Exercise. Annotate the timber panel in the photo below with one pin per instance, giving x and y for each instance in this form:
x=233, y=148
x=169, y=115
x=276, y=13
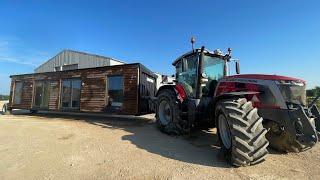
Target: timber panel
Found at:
x=93, y=90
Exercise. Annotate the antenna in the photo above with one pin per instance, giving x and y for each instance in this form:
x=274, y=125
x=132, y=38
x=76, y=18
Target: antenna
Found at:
x=193, y=40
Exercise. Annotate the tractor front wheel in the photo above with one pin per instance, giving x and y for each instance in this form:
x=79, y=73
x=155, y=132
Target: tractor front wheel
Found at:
x=241, y=133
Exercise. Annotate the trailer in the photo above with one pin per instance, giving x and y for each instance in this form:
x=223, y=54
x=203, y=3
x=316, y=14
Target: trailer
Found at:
x=119, y=89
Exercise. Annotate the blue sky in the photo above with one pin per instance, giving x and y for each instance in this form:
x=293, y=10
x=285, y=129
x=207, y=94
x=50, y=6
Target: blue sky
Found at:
x=272, y=37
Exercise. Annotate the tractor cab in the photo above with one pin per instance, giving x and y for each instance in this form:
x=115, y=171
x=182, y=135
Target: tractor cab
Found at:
x=199, y=70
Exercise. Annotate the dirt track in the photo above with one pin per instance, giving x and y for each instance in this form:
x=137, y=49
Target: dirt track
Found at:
x=48, y=146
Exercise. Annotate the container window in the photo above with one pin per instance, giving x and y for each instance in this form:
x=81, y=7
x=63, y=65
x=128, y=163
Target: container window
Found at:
x=42, y=93
x=17, y=93
x=71, y=90
x=115, y=90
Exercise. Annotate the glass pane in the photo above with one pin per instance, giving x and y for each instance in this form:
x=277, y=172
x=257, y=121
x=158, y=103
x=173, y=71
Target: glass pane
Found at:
x=66, y=94
x=38, y=94
x=76, y=90
x=188, y=78
x=17, y=93
x=178, y=69
x=115, y=90
x=213, y=67
x=71, y=90
x=46, y=94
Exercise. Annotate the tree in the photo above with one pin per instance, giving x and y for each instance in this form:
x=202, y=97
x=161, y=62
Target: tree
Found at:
x=311, y=93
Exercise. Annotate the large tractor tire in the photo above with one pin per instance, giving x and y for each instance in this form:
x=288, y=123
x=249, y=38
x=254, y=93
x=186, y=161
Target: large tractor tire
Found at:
x=281, y=140
x=241, y=133
x=168, y=116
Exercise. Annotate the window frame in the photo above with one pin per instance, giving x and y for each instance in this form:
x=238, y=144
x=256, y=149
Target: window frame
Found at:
x=14, y=93
x=107, y=88
x=71, y=94
x=43, y=82
x=184, y=68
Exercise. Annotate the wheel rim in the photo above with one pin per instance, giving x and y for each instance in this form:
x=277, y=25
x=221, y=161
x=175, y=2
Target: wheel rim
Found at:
x=224, y=131
x=164, y=112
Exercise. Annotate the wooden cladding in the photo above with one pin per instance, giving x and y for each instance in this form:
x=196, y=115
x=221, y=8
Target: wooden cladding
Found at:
x=93, y=93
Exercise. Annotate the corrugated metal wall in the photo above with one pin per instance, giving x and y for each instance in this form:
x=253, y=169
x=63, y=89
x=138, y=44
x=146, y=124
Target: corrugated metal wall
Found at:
x=83, y=60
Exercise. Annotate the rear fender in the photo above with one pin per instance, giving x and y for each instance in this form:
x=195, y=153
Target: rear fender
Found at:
x=153, y=102
x=241, y=94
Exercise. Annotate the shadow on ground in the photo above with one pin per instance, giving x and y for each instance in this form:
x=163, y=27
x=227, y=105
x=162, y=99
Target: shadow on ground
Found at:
x=201, y=147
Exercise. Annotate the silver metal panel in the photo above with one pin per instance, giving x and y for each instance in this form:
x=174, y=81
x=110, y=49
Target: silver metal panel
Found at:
x=84, y=60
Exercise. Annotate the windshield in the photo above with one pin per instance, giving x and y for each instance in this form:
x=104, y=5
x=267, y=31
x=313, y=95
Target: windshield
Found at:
x=213, y=68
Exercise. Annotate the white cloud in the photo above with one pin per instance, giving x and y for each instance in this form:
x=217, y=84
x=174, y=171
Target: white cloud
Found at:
x=17, y=61
x=14, y=50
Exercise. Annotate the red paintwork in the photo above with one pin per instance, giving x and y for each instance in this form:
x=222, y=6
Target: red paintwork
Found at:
x=181, y=92
x=266, y=77
x=227, y=87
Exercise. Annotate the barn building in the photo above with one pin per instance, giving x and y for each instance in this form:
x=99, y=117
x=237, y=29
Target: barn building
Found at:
x=70, y=60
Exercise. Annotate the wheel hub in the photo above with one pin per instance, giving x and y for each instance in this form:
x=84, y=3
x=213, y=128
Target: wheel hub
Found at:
x=164, y=112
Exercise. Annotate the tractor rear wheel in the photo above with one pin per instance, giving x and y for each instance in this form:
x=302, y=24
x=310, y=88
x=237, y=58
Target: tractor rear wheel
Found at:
x=168, y=114
x=241, y=133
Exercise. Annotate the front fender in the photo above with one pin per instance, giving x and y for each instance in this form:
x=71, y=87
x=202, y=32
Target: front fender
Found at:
x=235, y=94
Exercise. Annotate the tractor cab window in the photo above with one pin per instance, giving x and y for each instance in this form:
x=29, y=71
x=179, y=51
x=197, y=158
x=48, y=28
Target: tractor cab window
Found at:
x=188, y=74
x=178, y=68
x=213, y=68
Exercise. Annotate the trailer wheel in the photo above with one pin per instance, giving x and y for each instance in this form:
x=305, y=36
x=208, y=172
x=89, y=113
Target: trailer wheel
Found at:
x=168, y=114
x=5, y=109
x=281, y=140
x=240, y=132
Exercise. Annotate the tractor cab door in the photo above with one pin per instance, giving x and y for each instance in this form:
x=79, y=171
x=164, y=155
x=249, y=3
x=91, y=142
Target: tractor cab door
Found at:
x=186, y=73
x=213, y=69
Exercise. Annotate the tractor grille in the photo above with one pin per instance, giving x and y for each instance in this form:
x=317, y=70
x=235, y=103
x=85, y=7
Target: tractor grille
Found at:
x=294, y=93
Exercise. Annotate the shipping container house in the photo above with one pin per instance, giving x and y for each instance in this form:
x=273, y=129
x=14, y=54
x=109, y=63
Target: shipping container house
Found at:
x=119, y=89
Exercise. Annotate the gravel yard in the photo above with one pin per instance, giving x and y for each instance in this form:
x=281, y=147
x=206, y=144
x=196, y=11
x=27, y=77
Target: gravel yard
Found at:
x=61, y=146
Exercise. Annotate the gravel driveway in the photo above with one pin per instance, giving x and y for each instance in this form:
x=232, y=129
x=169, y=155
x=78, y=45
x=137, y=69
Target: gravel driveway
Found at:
x=60, y=146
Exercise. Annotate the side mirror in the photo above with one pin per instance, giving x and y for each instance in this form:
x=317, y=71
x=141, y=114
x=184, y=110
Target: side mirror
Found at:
x=237, y=67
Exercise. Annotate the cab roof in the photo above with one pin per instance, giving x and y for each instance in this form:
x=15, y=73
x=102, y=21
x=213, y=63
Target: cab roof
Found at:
x=198, y=50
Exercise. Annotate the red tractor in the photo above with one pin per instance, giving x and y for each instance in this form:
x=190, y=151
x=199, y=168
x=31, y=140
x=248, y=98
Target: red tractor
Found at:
x=250, y=111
